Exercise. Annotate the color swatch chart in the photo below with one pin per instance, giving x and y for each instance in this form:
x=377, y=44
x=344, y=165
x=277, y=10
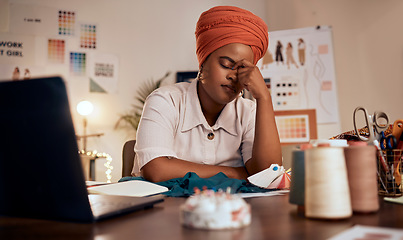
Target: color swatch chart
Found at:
x=78, y=63
x=103, y=70
x=286, y=93
x=293, y=128
x=56, y=50
x=67, y=20
x=88, y=36
x=268, y=83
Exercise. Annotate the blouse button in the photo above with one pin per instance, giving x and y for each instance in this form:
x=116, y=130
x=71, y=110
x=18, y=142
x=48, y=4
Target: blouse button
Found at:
x=210, y=136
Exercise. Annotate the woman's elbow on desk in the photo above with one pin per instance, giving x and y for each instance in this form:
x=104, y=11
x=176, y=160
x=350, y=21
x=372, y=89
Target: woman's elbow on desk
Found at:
x=154, y=171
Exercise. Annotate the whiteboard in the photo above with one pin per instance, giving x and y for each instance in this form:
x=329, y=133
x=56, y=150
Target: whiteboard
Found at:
x=302, y=76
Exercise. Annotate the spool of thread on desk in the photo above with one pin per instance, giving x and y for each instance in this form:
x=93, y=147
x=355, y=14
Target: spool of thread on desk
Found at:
x=327, y=194
x=361, y=165
x=297, y=186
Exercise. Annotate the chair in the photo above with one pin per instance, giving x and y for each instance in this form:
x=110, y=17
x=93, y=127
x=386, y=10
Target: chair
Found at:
x=128, y=158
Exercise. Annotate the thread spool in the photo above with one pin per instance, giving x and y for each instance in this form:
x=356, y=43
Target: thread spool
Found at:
x=327, y=194
x=331, y=142
x=361, y=165
x=297, y=186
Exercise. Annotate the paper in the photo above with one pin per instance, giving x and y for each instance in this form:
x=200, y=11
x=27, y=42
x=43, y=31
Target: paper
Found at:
x=17, y=49
x=394, y=199
x=103, y=73
x=95, y=183
x=293, y=128
x=366, y=232
x=134, y=188
x=281, y=182
x=266, y=194
x=264, y=178
x=33, y=19
x=299, y=64
x=274, y=177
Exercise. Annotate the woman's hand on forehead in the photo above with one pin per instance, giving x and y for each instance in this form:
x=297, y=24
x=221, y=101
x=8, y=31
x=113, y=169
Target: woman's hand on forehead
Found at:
x=251, y=79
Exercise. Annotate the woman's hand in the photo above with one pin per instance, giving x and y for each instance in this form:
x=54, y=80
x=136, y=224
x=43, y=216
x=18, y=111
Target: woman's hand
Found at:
x=266, y=146
x=251, y=79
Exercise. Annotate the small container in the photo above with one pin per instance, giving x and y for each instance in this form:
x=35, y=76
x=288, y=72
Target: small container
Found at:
x=390, y=178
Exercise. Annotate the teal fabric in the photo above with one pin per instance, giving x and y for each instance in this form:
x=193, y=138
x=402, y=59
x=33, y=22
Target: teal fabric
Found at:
x=183, y=187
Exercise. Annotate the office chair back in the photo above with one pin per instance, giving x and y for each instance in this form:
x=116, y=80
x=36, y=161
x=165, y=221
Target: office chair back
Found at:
x=128, y=158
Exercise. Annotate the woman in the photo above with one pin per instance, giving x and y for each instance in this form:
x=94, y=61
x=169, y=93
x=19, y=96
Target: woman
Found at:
x=206, y=126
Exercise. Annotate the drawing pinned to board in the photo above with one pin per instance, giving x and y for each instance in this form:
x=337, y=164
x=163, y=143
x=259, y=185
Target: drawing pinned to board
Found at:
x=301, y=51
x=290, y=56
x=66, y=21
x=78, y=64
x=56, y=50
x=88, y=36
x=308, y=59
x=279, y=53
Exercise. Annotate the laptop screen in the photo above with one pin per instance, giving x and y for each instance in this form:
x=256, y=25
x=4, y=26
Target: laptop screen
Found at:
x=40, y=170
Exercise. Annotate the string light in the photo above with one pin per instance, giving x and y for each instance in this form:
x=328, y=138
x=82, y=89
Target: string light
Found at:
x=95, y=154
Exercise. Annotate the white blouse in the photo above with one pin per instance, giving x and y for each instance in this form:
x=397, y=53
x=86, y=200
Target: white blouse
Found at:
x=173, y=125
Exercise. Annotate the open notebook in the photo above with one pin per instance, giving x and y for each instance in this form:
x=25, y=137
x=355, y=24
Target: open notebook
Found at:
x=41, y=174
x=134, y=188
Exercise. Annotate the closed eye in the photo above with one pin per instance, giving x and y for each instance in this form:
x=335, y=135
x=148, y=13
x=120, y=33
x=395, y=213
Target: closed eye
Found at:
x=226, y=62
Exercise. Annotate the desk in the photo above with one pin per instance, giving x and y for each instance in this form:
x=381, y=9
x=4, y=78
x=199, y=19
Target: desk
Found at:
x=272, y=217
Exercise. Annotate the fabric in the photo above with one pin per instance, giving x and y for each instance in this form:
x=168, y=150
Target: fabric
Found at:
x=173, y=125
x=223, y=25
x=184, y=187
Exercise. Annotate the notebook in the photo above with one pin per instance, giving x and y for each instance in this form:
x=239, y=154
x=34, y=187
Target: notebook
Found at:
x=135, y=188
x=41, y=174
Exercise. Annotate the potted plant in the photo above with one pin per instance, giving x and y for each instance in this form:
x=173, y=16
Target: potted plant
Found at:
x=132, y=117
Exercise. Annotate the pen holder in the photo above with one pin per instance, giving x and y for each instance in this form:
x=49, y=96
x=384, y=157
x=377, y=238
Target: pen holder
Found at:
x=390, y=173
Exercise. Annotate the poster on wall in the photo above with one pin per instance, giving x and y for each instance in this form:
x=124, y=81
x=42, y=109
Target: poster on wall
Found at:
x=33, y=20
x=78, y=64
x=56, y=51
x=299, y=65
x=88, y=36
x=103, y=72
x=66, y=22
x=17, y=49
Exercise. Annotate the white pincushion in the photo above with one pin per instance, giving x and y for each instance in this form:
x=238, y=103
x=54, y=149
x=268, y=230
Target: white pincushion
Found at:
x=215, y=210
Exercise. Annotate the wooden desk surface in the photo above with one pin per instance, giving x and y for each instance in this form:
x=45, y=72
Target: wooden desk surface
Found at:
x=272, y=217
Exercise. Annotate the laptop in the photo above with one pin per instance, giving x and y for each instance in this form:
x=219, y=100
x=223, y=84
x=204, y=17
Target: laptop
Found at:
x=41, y=174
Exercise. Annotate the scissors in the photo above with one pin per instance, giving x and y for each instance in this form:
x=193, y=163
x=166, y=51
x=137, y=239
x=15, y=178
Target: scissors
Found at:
x=374, y=123
x=375, y=127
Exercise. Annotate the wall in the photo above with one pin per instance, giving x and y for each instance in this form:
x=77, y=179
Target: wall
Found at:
x=150, y=37
x=368, y=50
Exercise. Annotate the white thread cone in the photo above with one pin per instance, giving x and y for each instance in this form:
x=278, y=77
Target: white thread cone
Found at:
x=327, y=193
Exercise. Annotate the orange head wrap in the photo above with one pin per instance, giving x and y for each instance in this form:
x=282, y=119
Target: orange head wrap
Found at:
x=223, y=25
